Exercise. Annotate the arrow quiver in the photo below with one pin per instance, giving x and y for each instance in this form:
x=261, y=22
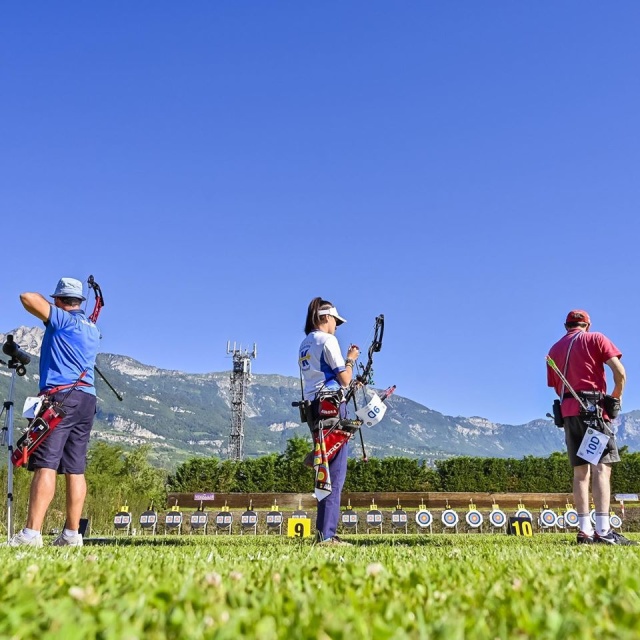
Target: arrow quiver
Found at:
x=48, y=418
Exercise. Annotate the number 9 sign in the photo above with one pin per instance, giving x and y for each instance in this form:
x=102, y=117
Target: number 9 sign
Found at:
x=298, y=527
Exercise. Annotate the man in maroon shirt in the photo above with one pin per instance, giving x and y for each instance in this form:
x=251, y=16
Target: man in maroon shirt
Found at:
x=581, y=355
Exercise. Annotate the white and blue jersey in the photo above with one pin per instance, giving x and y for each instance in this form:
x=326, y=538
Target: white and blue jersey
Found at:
x=69, y=346
x=320, y=362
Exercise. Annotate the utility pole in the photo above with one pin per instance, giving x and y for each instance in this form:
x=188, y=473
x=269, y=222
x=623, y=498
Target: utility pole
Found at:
x=240, y=379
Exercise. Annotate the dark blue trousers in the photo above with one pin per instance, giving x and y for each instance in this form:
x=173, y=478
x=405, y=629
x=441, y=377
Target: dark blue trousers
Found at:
x=329, y=508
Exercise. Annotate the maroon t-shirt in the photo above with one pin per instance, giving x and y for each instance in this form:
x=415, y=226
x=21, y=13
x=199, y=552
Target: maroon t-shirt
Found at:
x=585, y=372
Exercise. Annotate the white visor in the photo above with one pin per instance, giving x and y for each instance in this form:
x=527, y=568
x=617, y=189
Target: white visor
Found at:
x=332, y=312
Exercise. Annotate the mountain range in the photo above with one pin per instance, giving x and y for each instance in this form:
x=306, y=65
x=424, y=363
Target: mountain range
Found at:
x=189, y=414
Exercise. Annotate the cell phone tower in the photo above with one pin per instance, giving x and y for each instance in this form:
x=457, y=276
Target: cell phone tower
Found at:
x=240, y=379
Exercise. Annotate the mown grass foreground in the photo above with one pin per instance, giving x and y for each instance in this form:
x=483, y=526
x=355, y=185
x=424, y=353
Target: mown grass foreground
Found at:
x=439, y=586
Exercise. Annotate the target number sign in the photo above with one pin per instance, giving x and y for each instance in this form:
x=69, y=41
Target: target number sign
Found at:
x=298, y=527
x=520, y=526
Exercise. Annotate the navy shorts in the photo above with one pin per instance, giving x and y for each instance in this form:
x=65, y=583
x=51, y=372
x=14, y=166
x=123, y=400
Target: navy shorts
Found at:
x=65, y=449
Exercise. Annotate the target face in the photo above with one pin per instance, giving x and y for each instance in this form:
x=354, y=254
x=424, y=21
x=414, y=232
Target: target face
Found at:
x=274, y=519
x=198, y=520
x=399, y=518
x=424, y=518
x=173, y=520
x=374, y=517
x=560, y=522
x=148, y=519
x=449, y=518
x=249, y=519
x=299, y=514
x=497, y=518
x=571, y=518
x=349, y=518
x=524, y=513
x=122, y=520
x=548, y=518
x=224, y=520
x=616, y=521
x=474, y=519
x=592, y=516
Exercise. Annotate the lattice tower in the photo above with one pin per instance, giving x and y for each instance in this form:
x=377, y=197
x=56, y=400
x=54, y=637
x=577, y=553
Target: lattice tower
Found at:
x=240, y=379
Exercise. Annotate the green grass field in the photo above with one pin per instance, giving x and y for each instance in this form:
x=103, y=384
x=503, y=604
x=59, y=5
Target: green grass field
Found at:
x=402, y=586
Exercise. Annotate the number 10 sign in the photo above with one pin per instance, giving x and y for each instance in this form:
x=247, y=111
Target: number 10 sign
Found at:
x=520, y=526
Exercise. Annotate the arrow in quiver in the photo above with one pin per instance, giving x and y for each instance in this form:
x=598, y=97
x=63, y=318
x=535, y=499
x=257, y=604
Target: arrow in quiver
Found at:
x=321, y=465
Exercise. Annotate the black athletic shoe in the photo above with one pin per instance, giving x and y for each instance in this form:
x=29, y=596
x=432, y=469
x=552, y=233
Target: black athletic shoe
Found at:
x=584, y=538
x=614, y=538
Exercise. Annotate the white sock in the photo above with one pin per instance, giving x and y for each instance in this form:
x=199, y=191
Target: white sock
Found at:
x=584, y=522
x=69, y=533
x=30, y=534
x=603, y=524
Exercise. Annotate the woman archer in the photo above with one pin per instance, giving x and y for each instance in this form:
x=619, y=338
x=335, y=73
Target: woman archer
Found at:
x=325, y=375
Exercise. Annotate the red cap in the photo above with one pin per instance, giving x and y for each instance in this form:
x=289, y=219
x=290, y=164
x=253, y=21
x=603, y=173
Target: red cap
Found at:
x=577, y=315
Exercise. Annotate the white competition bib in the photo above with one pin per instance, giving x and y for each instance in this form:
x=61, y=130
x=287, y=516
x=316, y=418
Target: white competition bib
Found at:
x=31, y=407
x=592, y=446
x=373, y=412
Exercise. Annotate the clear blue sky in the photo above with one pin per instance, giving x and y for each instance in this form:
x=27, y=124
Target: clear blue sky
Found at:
x=468, y=169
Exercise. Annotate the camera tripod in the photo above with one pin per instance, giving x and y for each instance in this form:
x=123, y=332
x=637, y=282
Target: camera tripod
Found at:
x=17, y=369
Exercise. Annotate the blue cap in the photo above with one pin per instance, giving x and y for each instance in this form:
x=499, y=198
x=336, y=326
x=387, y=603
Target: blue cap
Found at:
x=68, y=288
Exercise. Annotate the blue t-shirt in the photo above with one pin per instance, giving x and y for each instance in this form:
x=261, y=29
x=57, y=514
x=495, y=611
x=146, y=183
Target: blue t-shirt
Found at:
x=69, y=346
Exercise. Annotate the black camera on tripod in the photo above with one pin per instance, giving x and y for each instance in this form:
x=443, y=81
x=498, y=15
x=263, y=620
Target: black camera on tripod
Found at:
x=19, y=359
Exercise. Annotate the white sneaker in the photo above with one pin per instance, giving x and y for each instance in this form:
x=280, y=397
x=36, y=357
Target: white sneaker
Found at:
x=68, y=541
x=20, y=540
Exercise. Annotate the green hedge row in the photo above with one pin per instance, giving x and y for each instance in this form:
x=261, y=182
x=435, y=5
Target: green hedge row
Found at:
x=286, y=473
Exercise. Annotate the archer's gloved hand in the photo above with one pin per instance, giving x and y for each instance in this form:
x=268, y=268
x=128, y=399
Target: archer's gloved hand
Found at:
x=612, y=406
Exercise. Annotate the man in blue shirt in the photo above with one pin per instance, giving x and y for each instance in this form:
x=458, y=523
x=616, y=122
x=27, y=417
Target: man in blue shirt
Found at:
x=69, y=349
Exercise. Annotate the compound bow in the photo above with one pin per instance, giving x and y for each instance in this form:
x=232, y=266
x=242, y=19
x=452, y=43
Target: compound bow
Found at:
x=99, y=299
x=365, y=377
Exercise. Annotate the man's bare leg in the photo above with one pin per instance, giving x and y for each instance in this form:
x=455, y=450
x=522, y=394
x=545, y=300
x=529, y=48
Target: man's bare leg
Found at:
x=602, y=487
x=43, y=488
x=581, y=488
x=76, y=494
